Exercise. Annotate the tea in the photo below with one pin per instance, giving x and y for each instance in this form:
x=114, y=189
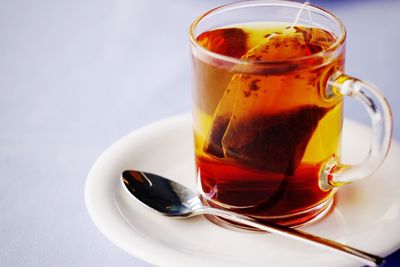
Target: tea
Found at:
x=261, y=135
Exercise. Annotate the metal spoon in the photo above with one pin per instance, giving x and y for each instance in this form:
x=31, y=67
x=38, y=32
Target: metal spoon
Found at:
x=172, y=199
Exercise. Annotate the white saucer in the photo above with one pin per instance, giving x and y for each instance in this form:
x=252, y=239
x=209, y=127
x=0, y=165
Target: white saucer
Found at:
x=366, y=215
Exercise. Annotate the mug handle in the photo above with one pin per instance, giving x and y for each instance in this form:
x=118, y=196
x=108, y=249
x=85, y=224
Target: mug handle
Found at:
x=334, y=173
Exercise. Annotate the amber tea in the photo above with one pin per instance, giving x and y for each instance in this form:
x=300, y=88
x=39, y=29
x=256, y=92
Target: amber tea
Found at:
x=261, y=135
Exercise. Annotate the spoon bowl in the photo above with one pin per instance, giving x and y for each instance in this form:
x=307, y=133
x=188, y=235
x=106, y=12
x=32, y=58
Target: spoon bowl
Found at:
x=164, y=196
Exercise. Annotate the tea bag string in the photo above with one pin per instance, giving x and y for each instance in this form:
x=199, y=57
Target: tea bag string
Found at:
x=296, y=20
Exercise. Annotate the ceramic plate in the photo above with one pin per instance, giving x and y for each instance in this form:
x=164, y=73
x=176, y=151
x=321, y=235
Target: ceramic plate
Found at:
x=366, y=213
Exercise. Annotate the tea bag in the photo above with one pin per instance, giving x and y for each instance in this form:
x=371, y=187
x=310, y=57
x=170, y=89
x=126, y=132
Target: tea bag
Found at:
x=255, y=124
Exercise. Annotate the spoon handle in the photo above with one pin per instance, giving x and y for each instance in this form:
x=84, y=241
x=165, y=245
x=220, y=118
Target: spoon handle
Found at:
x=361, y=256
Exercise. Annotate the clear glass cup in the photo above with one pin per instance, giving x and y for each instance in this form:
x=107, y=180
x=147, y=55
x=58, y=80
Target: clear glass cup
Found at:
x=267, y=115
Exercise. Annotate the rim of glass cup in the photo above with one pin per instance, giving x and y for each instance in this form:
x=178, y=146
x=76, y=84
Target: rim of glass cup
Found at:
x=335, y=47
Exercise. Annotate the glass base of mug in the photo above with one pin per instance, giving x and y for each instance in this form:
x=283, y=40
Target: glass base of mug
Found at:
x=294, y=220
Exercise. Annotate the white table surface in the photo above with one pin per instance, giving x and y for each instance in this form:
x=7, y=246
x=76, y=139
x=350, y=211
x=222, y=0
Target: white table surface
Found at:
x=77, y=75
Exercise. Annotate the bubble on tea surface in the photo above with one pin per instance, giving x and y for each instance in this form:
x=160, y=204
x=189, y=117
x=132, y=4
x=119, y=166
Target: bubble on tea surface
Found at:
x=248, y=125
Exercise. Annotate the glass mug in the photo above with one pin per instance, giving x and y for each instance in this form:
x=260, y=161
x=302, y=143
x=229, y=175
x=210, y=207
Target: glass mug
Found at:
x=268, y=96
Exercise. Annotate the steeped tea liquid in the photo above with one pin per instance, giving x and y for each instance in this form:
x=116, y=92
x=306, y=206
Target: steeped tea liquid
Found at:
x=262, y=135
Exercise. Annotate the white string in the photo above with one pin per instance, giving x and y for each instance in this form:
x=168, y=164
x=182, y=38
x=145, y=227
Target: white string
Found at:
x=309, y=16
x=298, y=15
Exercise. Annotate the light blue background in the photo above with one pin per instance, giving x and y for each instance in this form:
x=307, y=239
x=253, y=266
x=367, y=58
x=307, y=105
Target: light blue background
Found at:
x=77, y=75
